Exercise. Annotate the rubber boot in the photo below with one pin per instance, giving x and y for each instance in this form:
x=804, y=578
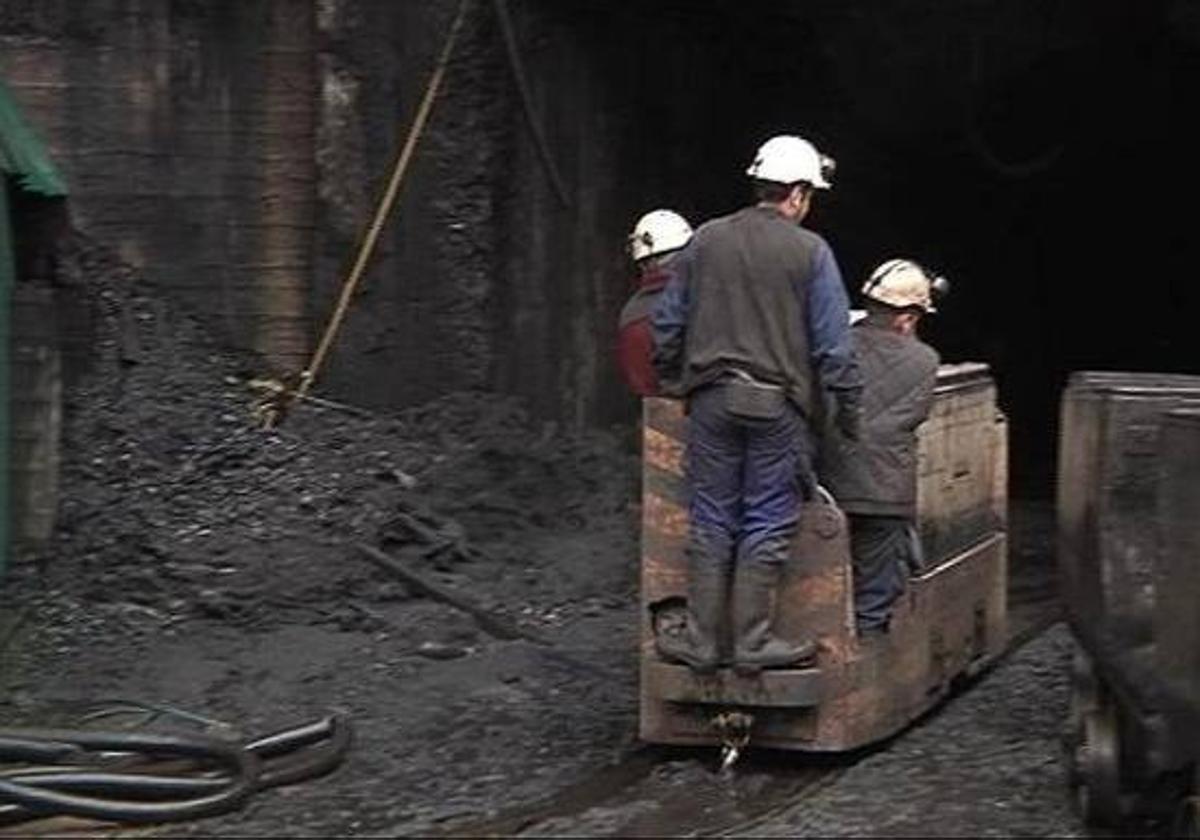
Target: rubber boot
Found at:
x=708, y=596
x=755, y=647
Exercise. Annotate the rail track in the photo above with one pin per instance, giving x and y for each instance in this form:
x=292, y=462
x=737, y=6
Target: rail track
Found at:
x=655, y=791
x=640, y=795
x=636, y=797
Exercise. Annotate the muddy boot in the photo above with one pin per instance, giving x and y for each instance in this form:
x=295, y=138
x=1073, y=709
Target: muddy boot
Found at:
x=755, y=647
x=696, y=646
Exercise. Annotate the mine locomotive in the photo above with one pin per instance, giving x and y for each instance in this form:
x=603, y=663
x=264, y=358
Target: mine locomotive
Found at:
x=950, y=622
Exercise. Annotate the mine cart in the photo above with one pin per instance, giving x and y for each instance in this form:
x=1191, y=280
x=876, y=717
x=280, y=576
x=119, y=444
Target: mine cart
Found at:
x=1128, y=465
x=950, y=621
x=1176, y=612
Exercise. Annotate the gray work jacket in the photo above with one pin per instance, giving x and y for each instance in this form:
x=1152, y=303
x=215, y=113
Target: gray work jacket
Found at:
x=877, y=475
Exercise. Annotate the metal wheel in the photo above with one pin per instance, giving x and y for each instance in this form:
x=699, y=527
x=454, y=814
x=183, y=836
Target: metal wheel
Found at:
x=1098, y=760
x=1085, y=687
x=1186, y=820
x=1186, y=823
x=1085, y=698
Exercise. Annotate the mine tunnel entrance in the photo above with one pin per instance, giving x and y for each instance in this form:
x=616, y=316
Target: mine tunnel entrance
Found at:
x=1025, y=150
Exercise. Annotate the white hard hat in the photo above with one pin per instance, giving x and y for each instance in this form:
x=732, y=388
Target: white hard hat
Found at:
x=788, y=159
x=902, y=283
x=658, y=232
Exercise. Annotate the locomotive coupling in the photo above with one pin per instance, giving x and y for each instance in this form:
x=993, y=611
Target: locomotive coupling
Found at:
x=733, y=728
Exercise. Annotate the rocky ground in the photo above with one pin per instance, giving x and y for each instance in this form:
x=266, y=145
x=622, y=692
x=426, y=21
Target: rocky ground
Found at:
x=989, y=765
x=207, y=563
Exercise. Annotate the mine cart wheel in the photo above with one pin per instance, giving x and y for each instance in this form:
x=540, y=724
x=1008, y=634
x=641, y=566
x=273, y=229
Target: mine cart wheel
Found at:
x=1186, y=822
x=1187, y=818
x=1085, y=698
x=1099, y=766
x=1085, y=686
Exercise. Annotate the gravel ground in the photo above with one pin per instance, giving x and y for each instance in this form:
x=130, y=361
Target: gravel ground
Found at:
x=990, y=764
x=987, y=763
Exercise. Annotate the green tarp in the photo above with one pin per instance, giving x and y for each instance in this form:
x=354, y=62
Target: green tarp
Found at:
x=23, y=158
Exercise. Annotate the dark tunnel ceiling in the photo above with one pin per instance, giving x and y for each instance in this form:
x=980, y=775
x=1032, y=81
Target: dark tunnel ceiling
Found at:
x=1029, y=149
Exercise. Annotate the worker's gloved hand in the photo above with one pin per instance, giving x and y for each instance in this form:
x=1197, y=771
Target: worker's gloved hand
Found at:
x=671, y=388
x=848, y=419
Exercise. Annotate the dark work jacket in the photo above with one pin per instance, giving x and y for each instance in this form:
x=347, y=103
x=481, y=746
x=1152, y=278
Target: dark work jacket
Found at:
x=635, y=341
x=877, y=475
x=756, y=292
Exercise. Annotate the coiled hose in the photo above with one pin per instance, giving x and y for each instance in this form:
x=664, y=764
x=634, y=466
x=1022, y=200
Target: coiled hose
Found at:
x=74, y=778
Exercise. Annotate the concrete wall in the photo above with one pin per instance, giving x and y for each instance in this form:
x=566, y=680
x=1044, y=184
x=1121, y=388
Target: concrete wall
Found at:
x=186, y=132
x=420, y=323
x=487, y=279
x=235, y=150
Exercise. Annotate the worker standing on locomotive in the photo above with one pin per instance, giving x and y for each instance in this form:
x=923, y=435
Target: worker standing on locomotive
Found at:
x=656, y=238
x=754, y=323
x=874, y=477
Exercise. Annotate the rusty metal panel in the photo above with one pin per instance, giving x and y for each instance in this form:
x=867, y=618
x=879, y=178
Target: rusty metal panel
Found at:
x=958, y=464
x=782, y=688
x=951, y=620
x=664, y=516
x=816, y=591
x=1106, y=496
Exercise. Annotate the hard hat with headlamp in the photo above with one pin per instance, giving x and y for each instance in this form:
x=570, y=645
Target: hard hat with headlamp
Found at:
x=788, y=159
x=905, y=283
x=658, y=232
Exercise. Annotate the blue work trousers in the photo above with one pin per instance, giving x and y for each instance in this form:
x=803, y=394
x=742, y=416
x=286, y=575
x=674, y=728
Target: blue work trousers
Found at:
x=744, y=478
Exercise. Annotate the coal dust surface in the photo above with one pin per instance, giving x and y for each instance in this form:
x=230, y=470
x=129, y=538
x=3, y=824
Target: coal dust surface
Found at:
x=206, y=563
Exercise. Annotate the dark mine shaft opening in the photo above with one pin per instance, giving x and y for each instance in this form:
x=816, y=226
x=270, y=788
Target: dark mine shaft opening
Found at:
x=1025, y=150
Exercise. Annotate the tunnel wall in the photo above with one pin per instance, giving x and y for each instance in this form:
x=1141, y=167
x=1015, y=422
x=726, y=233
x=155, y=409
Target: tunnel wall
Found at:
x=235, y=151
x=491, y=276
x=185, y=131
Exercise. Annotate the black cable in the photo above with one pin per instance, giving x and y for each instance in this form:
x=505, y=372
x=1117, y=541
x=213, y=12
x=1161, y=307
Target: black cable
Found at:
x=15, y=747
x=311, y=763
x=137, y=785
x=243, y=766
x=300, y=736
x=263, y=763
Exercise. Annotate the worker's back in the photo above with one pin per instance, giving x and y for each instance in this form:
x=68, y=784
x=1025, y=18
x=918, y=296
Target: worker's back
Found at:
x=750, y=273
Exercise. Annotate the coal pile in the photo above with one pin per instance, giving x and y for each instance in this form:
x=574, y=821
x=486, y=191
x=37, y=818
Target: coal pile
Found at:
x=168, y=481
x=205, y=561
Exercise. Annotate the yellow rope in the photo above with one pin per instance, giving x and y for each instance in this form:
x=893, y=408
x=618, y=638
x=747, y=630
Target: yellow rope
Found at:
x=381, y=213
